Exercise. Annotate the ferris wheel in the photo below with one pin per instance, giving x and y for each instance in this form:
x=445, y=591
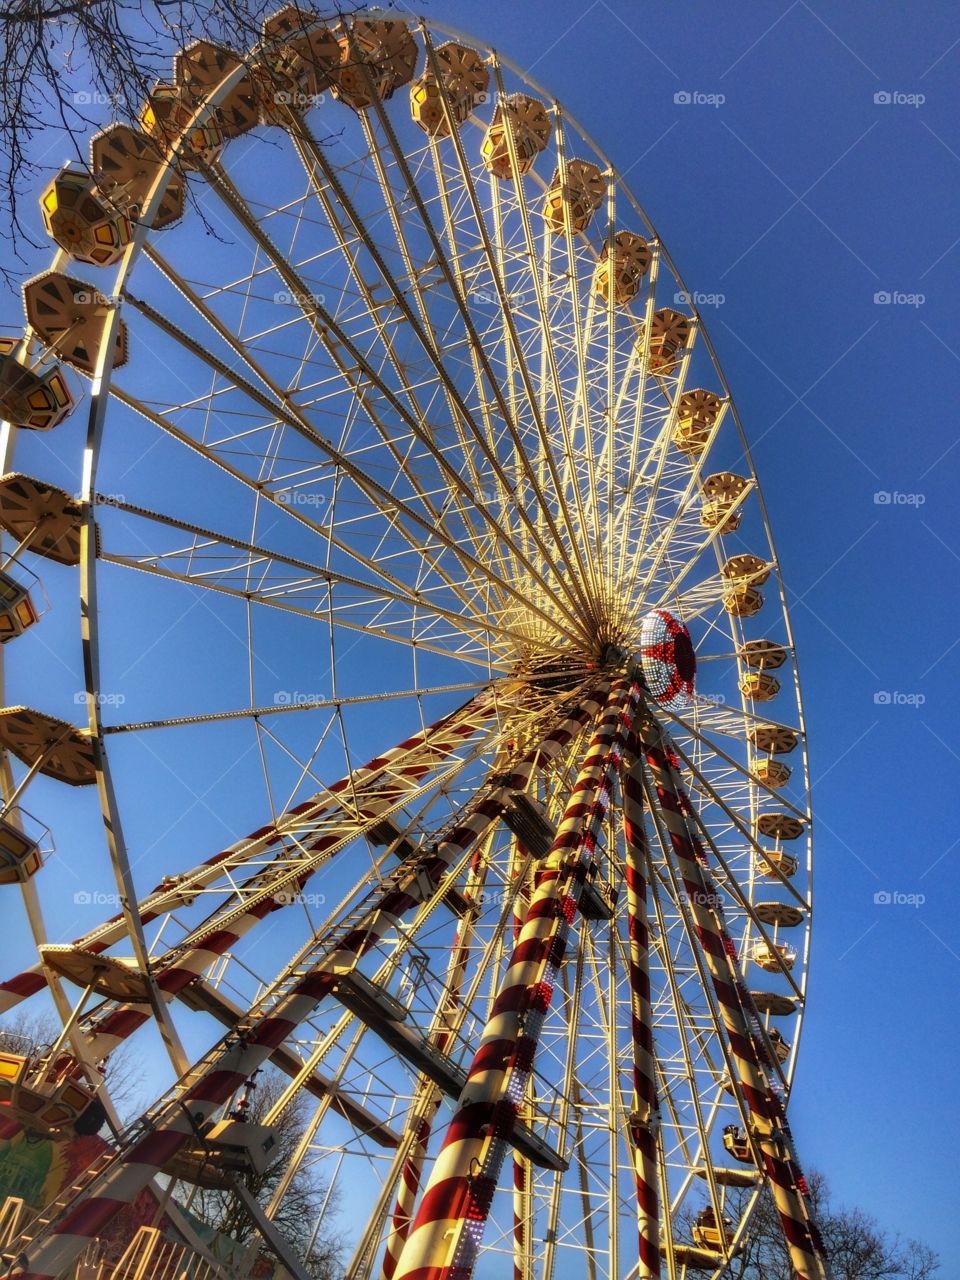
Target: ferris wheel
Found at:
x=365, y=425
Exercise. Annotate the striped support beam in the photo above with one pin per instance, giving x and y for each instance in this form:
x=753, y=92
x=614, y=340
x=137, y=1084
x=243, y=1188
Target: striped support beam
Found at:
x=448, y=1227
x=413, y=758
x=522, y=1217
x=799, y=1230
x=224, y=1069
x=114, y=1022
x=426, y=1113
x=270, y=890
x=428, y=1105
x=429, y=1097
x=409, y=1186
x=433, y=867
x=522, y=1165
x=645, y=1120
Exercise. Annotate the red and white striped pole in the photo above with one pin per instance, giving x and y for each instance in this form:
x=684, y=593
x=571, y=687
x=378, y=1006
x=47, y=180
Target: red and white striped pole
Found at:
x=235, y=1059
x=448, y=1227
x=768, y=1121
x=522, y=1165
x=645, y=1118
x=424, y=1117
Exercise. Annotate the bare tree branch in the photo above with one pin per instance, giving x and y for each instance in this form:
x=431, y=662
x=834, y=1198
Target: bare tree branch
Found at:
x=67, y=67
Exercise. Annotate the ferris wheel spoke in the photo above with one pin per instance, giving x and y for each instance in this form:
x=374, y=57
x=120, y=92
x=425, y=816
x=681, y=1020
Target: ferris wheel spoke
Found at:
x=637, y=377
x=324, y=322
x=616, y=385
x=288, y=412
x=688, y=727
x=263, y=555
x=714, y=717
x=378, y=569
x=658, y=453
x=462, y=654
x=703, y=597
x=389, y=505
x=485, y=381
x=696, y=547
x=315, y=161
x=548, y=348
x=310, y=704
x=478, y=355
x=512, y=273
x=648, y=559
x=344, y=600
x=566, y=541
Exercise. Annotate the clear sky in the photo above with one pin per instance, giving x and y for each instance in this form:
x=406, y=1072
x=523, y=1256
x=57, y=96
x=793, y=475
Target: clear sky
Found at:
x=802, y=163
x=799, y=198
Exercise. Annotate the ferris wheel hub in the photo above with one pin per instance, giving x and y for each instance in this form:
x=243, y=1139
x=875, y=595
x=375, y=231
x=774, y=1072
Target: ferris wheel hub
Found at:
x=668, y=660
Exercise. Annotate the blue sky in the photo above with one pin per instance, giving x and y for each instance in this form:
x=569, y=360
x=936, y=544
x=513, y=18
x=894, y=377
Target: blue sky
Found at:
x=798, y=199
x=802, y=163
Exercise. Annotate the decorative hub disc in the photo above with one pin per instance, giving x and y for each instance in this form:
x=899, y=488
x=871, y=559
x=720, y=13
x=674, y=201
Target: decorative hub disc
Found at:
x=667, y=660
